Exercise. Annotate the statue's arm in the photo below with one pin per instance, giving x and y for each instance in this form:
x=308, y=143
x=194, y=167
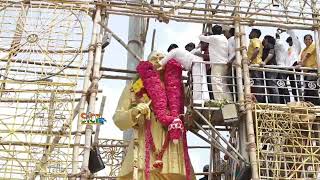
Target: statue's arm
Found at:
x=125, y=116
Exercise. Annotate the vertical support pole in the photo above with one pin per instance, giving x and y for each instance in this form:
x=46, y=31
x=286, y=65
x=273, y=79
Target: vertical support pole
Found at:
x=317, y=43
x=242, y=122
x=249, y=121
x=96, y=135
x=103, y=33
x=217, y=165
x=212, y=157
x=82, y=103
x=315, y=16
x=93, y=93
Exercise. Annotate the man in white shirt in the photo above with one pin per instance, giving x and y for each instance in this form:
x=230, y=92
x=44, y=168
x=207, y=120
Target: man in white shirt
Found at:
x=185, y=58
x=218, y=53
x=231, y=46
x=229, y=34
x=288, y=58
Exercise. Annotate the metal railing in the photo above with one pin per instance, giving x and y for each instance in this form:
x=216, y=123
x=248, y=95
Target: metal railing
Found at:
x=269, y=84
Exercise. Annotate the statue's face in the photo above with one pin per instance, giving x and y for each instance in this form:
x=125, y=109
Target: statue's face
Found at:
x=154, y=58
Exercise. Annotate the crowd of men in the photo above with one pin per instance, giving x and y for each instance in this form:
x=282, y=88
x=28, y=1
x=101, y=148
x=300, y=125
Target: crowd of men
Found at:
x=219, y=49
x=271, y=51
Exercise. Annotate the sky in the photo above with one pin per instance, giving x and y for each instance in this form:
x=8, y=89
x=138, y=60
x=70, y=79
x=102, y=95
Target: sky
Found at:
x=174, y=32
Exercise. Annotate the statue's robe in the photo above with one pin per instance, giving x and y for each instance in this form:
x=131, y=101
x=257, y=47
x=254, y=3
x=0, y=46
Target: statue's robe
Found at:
x=173, y=157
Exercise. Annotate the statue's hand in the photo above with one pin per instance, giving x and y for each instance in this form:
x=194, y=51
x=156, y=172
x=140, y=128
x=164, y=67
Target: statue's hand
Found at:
x=140, y=113
x=141, y=108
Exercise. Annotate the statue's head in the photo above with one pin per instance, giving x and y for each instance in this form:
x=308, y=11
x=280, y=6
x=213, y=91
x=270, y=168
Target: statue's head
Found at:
x=154, y=57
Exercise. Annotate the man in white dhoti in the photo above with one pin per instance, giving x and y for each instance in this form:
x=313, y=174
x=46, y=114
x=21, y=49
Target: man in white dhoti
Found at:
x=218, y=53
x=287, y=58
x=200, y=88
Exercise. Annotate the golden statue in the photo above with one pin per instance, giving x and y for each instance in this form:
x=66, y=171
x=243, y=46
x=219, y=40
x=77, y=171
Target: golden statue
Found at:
x=132, y=112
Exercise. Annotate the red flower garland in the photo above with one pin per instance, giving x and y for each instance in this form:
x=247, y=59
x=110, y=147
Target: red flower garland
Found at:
x=156, y=92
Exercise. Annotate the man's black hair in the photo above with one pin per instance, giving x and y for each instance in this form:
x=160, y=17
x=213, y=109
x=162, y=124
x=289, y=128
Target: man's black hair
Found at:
x=270, y=39
x=216, y=30
x=231, y=31
x=206, y=168
x=191, y=45
x=257, y=32
x=172, y=46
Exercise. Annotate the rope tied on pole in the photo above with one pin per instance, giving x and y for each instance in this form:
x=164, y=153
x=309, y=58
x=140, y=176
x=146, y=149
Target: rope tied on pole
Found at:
x=315, y=27
x=236, y=18
x=162, y=17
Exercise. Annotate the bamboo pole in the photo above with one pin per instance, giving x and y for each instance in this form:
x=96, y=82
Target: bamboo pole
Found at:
x=143, y=9
x=225, y=21
x=317, y=43
x=154, y=8
x=316, y=34
x=242, y=123
x=202, y=7
x=76, y=152
x=78, y=5
x=96, y=136
x=212, y=155
x=104, y=18
x=251, y=146
x=92, y=101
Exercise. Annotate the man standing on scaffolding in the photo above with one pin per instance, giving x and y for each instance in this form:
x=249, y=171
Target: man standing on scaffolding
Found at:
x=288, y=58
x=183, y=56
x=269, y=58
x=218, y=53
x=255, y=57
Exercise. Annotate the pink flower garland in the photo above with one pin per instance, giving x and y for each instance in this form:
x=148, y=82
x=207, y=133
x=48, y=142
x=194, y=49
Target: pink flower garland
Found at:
x=173, y=83
x=156, y=92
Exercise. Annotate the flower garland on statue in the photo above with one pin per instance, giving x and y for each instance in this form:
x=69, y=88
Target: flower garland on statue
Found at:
x=167, y=103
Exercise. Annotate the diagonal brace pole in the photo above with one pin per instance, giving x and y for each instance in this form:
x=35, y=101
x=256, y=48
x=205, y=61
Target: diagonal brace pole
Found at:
x=220, y=135
x=216, y=143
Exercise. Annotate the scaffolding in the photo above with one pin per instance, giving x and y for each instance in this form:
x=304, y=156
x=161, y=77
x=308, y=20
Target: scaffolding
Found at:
x=50, y=75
